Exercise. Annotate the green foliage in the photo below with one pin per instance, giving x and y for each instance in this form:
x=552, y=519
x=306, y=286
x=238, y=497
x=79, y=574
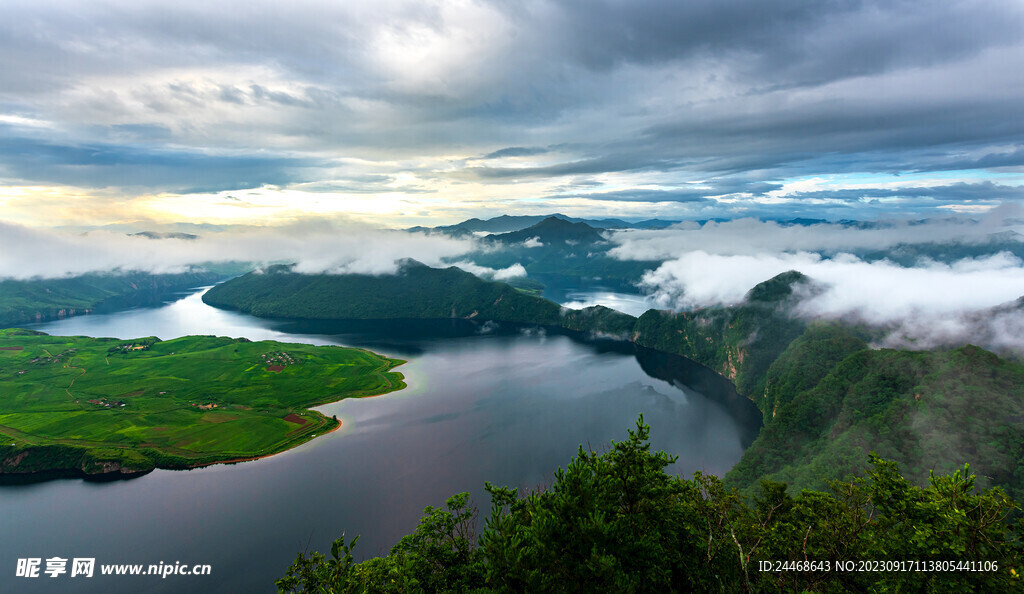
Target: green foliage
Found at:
x=740, y=342
x=25, y=301
x=617, y=522
x=104, y=405
x=929, y=410
x=440, y=556
x=415, y=292
x=806, y=361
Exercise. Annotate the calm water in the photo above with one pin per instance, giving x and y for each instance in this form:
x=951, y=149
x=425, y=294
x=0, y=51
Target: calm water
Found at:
x=577, y=293
x=484, y=403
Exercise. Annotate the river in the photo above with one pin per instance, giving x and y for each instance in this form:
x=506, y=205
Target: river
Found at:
x=487, y=402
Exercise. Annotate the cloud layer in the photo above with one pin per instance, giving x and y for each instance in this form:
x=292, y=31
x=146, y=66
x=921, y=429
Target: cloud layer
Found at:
x=923, y=305
x=608, y=106
x=876, y=292
x=314, y=247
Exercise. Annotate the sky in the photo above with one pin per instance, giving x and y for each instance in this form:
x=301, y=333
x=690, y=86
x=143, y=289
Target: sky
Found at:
x=140, y=115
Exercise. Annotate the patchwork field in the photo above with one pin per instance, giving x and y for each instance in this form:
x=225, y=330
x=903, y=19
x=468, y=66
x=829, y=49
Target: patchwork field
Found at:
x=101, y=405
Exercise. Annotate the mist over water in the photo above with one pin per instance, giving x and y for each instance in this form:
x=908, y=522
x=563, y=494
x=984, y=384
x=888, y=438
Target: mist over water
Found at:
x=503, y=404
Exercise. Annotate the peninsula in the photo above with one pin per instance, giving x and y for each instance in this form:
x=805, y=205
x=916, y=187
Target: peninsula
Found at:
x=79, y=405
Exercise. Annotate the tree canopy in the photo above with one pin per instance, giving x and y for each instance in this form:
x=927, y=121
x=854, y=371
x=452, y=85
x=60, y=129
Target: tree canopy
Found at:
x=618, y=522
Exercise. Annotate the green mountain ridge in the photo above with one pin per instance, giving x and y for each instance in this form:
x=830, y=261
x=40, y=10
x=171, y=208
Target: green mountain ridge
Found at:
x=929, y=410
x=739, y=342
x=37, y=300
x=416, y=291
x=550, y=230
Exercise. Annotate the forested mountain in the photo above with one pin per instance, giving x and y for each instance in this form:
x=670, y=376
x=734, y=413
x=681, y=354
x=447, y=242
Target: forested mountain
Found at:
x=561, y=248
x=829, y=399
x=551, y=230
x=929, y=410
x=740, y=342
x=27, y=301
x=508, y=223
x=416, y=291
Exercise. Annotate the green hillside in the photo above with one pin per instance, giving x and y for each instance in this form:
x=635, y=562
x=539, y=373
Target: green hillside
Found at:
x=740, y=342
x=928, y=410
x=26, y=301
x=101, y=405
x=415, y=292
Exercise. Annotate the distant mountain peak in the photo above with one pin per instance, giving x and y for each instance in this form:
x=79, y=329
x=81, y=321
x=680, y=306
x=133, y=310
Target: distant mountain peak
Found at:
x=778, y=288
x=509, y=223
x=552, y=230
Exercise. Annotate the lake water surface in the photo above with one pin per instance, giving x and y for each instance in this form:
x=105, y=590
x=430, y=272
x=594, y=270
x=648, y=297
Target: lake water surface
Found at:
x=484, y=403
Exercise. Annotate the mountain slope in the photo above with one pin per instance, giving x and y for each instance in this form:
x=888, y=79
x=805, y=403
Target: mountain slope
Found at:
x=551, y=230
x=509, y=223
x=928, y=410
x=415, y=292
x=740, y=342
x=27, y=301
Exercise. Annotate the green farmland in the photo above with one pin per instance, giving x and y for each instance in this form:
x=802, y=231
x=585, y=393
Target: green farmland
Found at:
x=103, y=405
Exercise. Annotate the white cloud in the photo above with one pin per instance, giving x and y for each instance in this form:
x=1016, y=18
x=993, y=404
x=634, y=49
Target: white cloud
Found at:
x=924, y=306
x=533, y=242
x=751, y=237
x=313, y=246
x=879, y=292
x=501, y=274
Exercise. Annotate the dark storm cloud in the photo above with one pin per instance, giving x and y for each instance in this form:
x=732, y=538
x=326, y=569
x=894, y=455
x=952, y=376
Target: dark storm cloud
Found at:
x=603, y=164
x=786, y=41
x=683, y=91
x=987, y=161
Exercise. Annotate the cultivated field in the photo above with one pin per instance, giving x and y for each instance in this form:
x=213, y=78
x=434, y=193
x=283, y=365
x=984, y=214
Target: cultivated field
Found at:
x=99, y=404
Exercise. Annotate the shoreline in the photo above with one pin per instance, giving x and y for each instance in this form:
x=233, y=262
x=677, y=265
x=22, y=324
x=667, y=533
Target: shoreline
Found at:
x=341, y=422
x=260, y=457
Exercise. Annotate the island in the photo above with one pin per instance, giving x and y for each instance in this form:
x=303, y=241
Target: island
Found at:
x=103, y=406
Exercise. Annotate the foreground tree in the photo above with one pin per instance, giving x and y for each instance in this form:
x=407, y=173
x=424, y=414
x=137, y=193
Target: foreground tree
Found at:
x=616, y=521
